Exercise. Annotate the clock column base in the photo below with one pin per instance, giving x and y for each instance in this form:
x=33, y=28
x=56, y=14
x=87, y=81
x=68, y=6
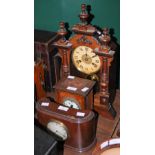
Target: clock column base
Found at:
x=107, y=111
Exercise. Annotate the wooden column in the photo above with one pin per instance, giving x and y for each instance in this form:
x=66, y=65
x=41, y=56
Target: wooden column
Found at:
x=64, y=49
x=106, y=56
x=104, y=82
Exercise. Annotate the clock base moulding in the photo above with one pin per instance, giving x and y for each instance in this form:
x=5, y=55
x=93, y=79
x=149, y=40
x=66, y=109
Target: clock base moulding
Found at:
x=104, y=110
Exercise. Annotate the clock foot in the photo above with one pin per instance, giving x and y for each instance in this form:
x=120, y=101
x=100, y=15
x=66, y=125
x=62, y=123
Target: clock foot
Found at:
x=105, y=110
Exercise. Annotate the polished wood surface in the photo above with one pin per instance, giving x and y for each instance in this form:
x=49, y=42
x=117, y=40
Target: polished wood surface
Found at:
x=105, y=128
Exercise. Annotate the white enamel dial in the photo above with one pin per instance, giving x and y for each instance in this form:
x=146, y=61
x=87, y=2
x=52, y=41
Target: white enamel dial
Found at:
x=85, y=60
x=58, y=128
x=71, y=103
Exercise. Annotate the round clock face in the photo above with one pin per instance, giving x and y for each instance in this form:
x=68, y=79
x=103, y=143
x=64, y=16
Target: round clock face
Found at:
x=72, y=103
x=58, y=128
x=85, y=60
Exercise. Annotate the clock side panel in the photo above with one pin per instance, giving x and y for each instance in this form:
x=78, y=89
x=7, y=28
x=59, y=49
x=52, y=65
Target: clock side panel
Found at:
x=90, y=100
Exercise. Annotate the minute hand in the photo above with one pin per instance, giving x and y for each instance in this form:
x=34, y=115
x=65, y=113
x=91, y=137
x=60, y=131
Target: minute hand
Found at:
x=94, y=56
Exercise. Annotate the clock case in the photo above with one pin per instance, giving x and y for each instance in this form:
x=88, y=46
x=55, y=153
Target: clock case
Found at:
x=85, y=99
x=81, y=130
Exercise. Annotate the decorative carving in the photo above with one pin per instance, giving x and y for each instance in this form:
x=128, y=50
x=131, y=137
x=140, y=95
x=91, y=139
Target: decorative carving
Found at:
x=84, y=40
x=83, y=15
x=105, y=39
x=83, y=27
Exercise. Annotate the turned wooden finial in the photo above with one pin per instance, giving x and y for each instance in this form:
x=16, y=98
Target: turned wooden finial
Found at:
x=105, y=38
x=62, y=31
x=83, y=15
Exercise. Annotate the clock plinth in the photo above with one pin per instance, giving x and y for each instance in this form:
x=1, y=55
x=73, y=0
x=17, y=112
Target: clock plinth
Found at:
x=105, y=110
x=64, y=49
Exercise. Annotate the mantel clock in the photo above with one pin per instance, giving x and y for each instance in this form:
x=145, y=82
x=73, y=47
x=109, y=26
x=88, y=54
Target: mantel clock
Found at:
x=91, y=58
x=76, y=127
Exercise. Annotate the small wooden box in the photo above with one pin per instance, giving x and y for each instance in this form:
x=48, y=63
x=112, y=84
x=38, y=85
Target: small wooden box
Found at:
x=76, y=90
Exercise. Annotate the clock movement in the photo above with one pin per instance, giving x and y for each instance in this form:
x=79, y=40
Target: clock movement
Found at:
x=64, y=122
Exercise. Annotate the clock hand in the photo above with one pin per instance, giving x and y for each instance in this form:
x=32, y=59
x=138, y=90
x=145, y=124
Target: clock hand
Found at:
x=94, y=56
x=86, y=53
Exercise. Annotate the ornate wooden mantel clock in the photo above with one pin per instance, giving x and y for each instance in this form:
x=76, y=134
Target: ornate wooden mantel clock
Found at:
x=90, y=58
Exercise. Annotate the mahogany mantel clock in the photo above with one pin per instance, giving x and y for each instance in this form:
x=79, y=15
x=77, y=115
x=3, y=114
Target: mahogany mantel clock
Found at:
x=91, y=57
x=75, y=92
x=76, y=127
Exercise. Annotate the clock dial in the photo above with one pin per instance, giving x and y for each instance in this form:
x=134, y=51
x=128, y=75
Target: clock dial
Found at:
x=85, y=60
x=71, y=103
x=58, y=128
